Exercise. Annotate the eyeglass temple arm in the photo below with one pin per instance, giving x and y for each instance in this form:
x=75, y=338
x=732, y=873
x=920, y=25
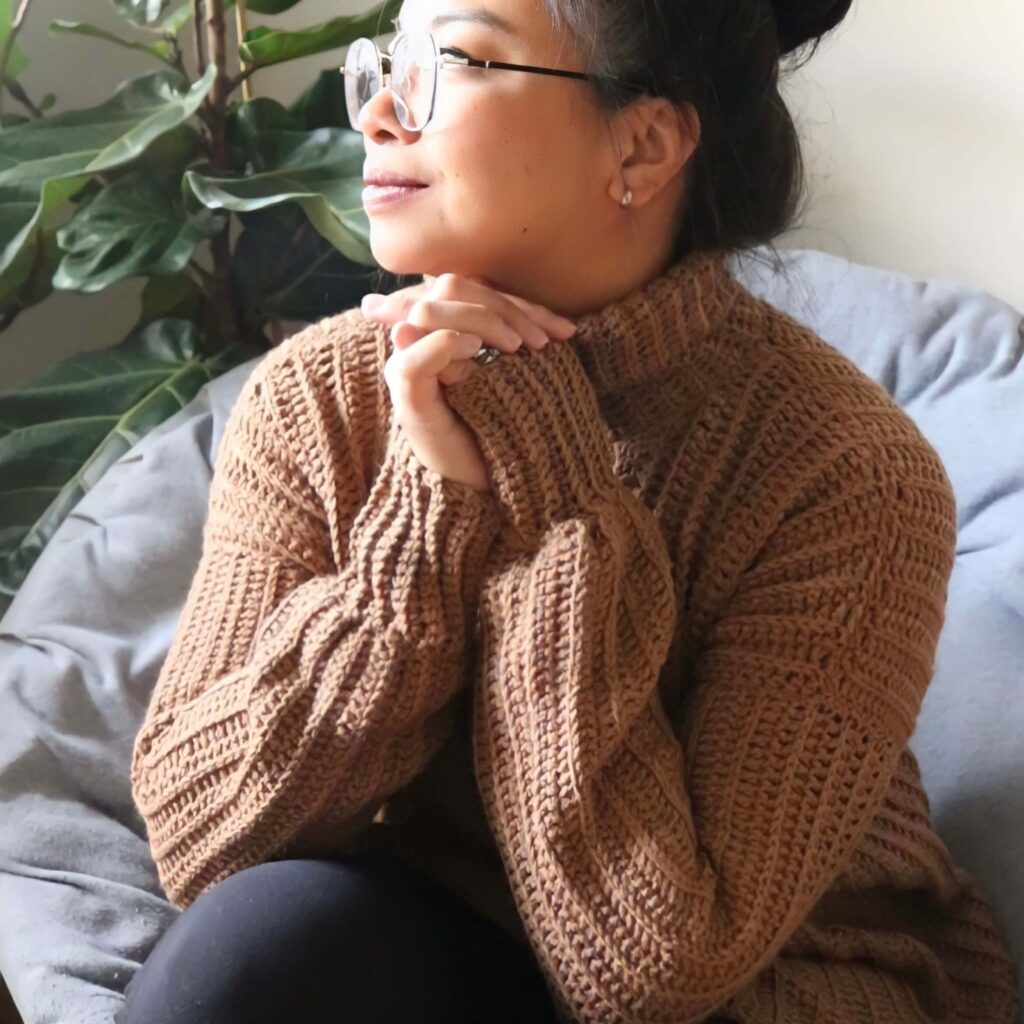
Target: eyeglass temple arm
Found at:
x=532, y=69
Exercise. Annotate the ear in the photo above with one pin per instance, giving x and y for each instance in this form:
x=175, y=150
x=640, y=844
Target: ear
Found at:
x=656, y=140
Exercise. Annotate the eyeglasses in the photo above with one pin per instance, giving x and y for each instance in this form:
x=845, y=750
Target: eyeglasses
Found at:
x=410, y=66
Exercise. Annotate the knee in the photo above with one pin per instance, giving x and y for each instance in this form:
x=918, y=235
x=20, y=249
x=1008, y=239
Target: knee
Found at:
x=241, y=950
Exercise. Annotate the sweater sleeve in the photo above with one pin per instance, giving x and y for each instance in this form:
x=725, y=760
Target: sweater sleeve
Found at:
x=298, y=694
x=658, y=869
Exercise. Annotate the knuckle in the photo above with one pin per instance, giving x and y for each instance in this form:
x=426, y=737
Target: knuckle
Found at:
x=422, y=309
x=447, y=284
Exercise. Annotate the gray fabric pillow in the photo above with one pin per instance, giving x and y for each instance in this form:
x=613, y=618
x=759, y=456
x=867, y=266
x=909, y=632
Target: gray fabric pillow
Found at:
x=83, y=641
x=80, y=649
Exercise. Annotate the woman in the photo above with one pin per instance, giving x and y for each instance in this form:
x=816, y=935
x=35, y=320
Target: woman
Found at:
x=523, y=681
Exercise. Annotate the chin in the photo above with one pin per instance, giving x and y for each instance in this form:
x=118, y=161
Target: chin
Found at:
x=399, y=260
x=402, y=258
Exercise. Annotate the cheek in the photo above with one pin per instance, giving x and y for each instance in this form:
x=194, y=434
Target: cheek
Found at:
x=508, y=150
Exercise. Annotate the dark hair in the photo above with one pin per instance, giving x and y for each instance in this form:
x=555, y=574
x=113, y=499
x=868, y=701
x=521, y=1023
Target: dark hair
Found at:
x=745, y=181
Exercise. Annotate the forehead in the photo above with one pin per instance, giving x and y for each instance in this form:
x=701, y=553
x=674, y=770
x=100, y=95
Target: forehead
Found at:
x=509, y=18
x=519, y=28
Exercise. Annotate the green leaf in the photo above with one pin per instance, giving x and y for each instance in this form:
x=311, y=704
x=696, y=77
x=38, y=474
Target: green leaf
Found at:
x=31, y=277
x=175, y=148
x=60, y=433
x=142, y=12
x=264, y=46
x=322, y=104
x=173, y=20
x=176, y=20
x=47, y=161
x=17, y=62
x=176, y=295
x=161, y=50
x=285, y=268
x=138, y=225
x=320, y=170
x=255, y=129
x=271, y=6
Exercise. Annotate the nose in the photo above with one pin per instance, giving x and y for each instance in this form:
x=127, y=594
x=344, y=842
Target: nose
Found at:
x=378, y=119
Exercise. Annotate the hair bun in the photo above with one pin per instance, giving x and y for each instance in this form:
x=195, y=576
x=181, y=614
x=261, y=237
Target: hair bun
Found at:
x=800, y=21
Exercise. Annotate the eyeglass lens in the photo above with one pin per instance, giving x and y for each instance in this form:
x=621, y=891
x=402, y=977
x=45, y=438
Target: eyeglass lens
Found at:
x=413, y=72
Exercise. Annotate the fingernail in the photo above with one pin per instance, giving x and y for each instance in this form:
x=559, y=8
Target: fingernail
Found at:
x=568, y=326
x=371, y=303
x=538, y=337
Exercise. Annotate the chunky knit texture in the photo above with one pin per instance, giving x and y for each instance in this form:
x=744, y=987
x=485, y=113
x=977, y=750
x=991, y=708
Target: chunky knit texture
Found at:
x=646, y=702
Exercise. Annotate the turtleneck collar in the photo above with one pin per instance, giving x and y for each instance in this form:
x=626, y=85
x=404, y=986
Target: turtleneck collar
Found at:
x=639, y=338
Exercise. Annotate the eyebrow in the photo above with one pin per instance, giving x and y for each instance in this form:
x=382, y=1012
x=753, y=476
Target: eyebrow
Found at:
x=474, y=16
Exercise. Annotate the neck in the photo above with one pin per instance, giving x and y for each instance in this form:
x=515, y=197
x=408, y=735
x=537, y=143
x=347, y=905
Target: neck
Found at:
x=609, y=277
x=644, y=335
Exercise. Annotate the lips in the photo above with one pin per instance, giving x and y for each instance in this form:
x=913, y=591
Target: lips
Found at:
x=390, y=178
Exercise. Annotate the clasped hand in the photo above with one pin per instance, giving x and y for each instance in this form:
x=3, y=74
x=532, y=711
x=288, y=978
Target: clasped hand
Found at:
x=437, y=327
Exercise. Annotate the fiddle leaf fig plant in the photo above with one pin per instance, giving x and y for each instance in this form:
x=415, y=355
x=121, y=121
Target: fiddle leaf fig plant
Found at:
x=148, y=185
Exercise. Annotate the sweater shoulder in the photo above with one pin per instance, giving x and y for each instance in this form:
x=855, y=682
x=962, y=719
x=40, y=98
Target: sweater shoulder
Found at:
x=814, y=394
x=345, y=342
x=866, y=438
x=325, y=385
x=796, y=426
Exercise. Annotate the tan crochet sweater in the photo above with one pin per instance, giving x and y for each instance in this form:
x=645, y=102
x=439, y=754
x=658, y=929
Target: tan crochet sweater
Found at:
x=646, y=703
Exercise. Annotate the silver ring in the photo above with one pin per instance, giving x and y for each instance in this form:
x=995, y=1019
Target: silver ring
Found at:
x=486, y=355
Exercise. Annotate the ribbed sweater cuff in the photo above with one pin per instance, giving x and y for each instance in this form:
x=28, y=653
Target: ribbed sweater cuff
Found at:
x=410, y=584
x=388, y=631
x=545, y=445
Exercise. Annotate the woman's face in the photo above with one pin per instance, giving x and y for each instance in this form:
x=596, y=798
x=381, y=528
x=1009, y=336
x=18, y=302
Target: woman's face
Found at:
x=523, y=178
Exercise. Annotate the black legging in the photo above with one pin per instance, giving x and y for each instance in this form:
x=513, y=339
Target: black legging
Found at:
x=358, y=940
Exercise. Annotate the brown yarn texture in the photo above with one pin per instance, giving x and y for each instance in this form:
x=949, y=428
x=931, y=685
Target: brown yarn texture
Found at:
x=646, y=703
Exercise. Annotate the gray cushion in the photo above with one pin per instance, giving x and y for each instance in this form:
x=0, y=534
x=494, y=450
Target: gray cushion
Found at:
x=83, y=641
x=80, y=649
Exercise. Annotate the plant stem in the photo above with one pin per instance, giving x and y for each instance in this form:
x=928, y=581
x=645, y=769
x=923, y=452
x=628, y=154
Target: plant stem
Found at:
x=15, y=89
x=240, y=25
x=241, y=77
x=204, y=276
x=197, y=24
x=217, y=100
x=5, y=56
x=224, y=319
x=177, y=62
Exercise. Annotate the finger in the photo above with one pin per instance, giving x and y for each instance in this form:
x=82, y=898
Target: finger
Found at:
x=481, y=320
x=546, y=319
x=474, y=290
x=420, y=367
x=390, y=308
x=457, y=371
x=518, y=314
x=404, y=334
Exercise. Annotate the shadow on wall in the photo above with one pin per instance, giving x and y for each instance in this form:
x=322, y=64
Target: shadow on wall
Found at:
x=916, y=213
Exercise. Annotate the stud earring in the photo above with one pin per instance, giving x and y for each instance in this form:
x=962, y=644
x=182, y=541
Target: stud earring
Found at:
x=627, y=198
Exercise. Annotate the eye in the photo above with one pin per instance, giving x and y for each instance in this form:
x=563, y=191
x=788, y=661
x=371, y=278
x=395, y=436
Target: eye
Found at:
x=455, y=52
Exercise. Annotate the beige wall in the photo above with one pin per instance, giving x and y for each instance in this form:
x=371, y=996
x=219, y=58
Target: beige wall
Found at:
x=912, y=115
